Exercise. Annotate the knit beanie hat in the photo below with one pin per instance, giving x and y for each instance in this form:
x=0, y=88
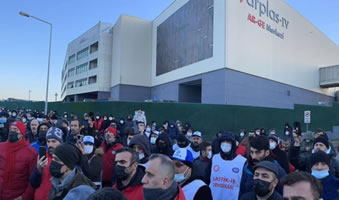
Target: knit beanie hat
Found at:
x=320, y=156
x=322, y=139
x=20, y=126
x=69, y=154
x=54, y=133
x=111, y=129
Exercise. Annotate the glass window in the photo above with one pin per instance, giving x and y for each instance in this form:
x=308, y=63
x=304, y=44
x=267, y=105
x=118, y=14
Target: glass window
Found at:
x=82, y=68
x=70, y=85
x=92, y=79
x=93, y=64
x=71, y=72
x=94, y=47
x=83, y=53
x=71, y=59
x=81, y=82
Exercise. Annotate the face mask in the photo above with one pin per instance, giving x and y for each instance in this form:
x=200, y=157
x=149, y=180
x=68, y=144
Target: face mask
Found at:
x=257, y=132
x=273, y=145
x=13, y=136
x=154, y=124
x=105, y=118
x=128, y=141
x=121, y=121
x=120, y=172
x=209, y=155
x=153, y=139
x=24, y=120
x=180, y=177
x=242, y=134
x=236, y=143
x=261, y=188
x=320, y=174
x=88, y=149
x=97, y=117
x=141, y=156
x=65, y=116
x=226, y=147
x=287, y=133
x=148, y=129
x=55, y=168
x=3, y=121
x=14, y=114
x=189, y=134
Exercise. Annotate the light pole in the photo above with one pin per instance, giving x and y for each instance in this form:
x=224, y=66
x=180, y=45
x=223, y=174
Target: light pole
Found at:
x=56, y=96
x=49, y=52
x=29, y=95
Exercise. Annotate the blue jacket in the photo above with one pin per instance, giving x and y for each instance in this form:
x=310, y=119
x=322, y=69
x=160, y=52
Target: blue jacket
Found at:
x=36, y=146
x=330, y=187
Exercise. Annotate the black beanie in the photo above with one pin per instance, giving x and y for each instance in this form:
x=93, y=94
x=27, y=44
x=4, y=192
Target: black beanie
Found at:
x=69, y=154
x=320, y=156
x=322, y=139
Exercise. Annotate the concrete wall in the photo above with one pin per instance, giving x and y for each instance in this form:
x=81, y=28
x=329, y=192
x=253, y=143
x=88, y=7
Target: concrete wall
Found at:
x=130, y=93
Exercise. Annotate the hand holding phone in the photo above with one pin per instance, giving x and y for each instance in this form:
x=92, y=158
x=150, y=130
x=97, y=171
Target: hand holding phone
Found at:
x=42, y=151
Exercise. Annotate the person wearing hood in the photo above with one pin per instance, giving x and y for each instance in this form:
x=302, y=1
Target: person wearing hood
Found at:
x=13, y=115
x=141, y=145
x=139, y=116
x=152, y=139
x=129, y=174
x=227, y=169
x=98, y=122
x=164, y=145
x=193, y=187
x=320, y=162
x=278, y=154
x=122, y=125
x=215, y=143
x=194, y=147
x=129, y=122
x=304, y=163
x=287, y=130
x=4, y=126
x=182, y=142
x=172, y=131
x=110, y=145
x=202, y=165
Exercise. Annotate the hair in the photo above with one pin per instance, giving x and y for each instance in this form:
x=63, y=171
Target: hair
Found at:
x=107, y=193
x=134, y=157
x=296, y=177
x=204, y=145
x=260, y=143
x=77, y=121
x=128, y=131
x=166, y=164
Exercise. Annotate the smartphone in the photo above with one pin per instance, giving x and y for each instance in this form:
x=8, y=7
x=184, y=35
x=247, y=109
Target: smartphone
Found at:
x=42, y=151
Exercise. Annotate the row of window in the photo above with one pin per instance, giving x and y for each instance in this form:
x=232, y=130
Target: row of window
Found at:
x=83, y=68
x=82, y=82
x=84, y=52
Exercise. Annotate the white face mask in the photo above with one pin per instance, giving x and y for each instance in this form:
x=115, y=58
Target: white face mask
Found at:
x=88, y=149
x=273, y=145
x=180, y=177
x=110, y=118
x=121, y=121
x=257, y=132
x=226, y=147
x=287, y=133
x=128, y=141
x=148, y=129
x=209, y=155
x=141, y=156
x=242, y=134
x=97, y=117
x=189, y=134
x=153, y=139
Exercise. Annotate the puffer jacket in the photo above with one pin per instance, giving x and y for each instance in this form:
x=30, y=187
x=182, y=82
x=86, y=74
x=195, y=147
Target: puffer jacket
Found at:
x=108, y=160
x=17, y=161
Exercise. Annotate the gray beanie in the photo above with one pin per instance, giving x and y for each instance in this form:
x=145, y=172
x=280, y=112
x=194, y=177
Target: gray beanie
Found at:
x=54, y=133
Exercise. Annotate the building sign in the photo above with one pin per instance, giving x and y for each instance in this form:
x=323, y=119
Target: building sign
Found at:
x=264, y=10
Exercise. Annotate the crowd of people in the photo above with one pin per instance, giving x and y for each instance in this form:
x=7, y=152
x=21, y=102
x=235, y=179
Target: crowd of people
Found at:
x=99, y=157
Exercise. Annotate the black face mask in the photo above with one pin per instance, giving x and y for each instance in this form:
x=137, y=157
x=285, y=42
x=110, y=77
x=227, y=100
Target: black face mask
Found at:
x=13, y=136
x=120, y=172
x=55, y=168
x=162, y=146
x=261, y=188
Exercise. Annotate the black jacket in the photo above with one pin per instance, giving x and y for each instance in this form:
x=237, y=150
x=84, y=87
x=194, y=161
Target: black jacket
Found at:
x=252, y=196
x=167, y=150
x=202, y=169
x=282, y=158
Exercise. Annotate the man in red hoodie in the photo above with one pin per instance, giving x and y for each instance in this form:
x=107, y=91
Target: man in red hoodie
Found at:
x=40, y=178
x=110, y=145
x=17, y=161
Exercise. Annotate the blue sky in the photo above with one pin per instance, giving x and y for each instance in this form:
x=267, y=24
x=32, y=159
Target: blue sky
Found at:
x=24, y=41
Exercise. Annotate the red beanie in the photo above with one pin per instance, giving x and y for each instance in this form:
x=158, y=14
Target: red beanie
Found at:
x=20, y=126
x=111, y=129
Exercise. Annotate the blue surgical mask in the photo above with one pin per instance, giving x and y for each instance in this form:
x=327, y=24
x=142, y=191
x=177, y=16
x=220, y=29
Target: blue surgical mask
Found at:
x=3, y=120
x=320, y=174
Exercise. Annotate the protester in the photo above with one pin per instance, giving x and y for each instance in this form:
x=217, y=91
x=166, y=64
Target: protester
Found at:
x=141, y=127
x=67, y=181
x=40, y=178
x=17, y=161
x=320, y=162
x=110, y=145
x=129, y=132
x=227, y=169
x=74, y=135
x=264, y=182
x=40, y=141
x=158, y=182
x=139, y=116
x=98, y=122
x=321, y=132
x=129, y=174
x=4, y=126
x=182, y=142
x=172, y=131
x=33, y=135
x=277, y=154
x=215, y=143
x=194, y=147
x=152, y=139
x=107, y=194
x=164, y=145
x=202, y=165
x=301, y=185
x=193, y=187
x=141, y=145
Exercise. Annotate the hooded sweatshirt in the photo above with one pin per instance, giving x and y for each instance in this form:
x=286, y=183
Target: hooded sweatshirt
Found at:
x=144, y=144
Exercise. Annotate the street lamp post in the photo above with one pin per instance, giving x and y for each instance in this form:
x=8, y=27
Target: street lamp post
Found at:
x=49, y=52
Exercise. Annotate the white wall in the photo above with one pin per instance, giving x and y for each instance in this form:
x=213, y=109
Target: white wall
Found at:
x=294, y=60
x=207, y=65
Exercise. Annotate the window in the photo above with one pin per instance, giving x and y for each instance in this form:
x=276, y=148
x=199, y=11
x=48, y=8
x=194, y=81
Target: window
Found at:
x=70, y=85
x=82, y=68
x=81, y=82
x=92, y=79
x=71, y=72
x=93, y=64
x=71, y=59
x=94, y=47
x=83, y=53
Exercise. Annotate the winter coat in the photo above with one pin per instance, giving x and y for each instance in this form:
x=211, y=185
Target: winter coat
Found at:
x=172, y=130
x=133, y=191
x=93, y=165
x=330, y=188
x=143, y=143
x=202, y=169
x=42, y=181
x=17, y=161
x=97, y=124
x=30, y=137
x=108, y=161
x=4, y=131
x=140, y=117
x=282, y=159
x=168, y=151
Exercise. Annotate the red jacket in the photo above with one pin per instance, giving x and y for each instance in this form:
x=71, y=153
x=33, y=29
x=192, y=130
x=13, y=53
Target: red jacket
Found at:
x=181, y=195
x=133, y=192
x=41, y=193
x=241, y=150
x=109, y=159
x=17, y=161
x=97, y=124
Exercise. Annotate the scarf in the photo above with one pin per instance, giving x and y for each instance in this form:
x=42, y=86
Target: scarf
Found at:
x=160, y=194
